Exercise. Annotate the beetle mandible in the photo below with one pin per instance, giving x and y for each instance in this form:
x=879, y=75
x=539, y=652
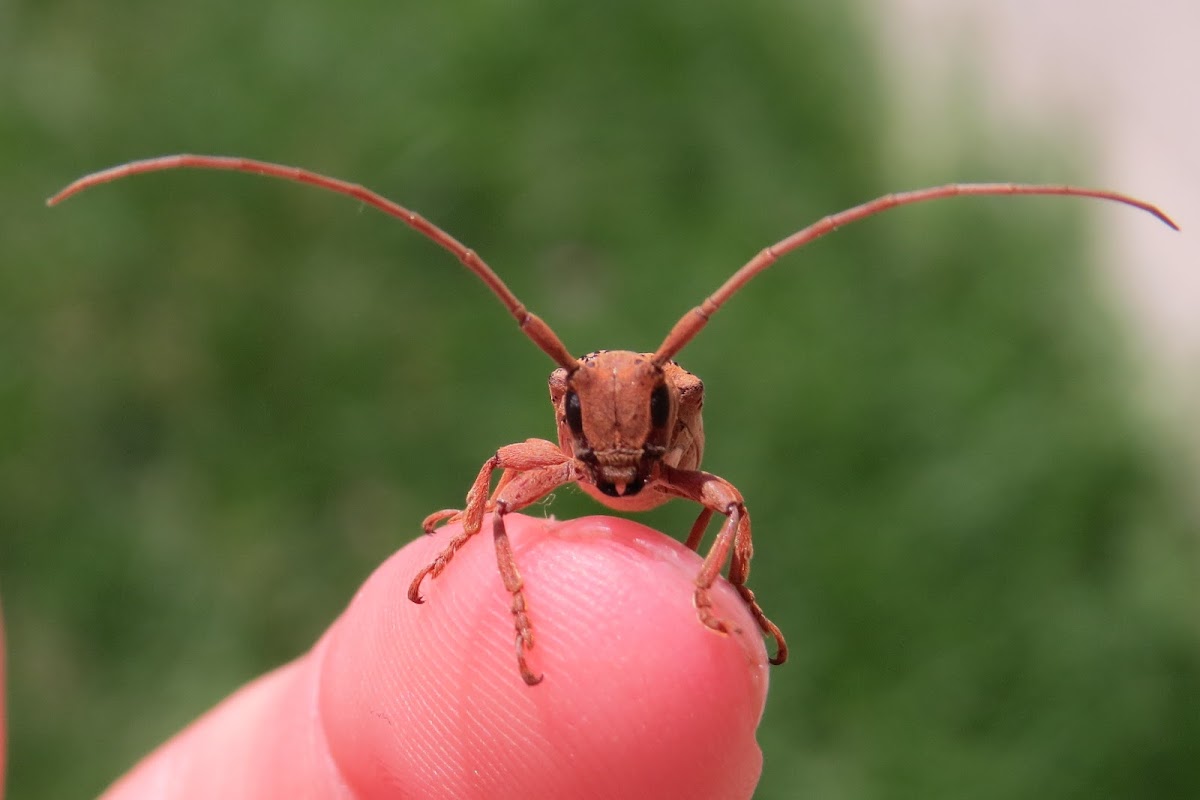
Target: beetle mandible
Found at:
x=629, y=426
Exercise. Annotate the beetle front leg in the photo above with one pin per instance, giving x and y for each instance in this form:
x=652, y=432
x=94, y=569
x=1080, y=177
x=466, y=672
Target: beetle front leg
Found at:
x=514, y=584
x=532, y=454
x=711, y=568
x=717, y=495
x=739, y=573
x=521, y=491
x=532, y=470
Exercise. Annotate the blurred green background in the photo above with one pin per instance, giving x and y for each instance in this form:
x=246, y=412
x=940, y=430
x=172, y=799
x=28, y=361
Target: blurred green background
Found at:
x=224, y=399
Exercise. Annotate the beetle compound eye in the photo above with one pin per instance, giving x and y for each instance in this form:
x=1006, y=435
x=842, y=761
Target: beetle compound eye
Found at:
x=660, y=406
x=574, y=413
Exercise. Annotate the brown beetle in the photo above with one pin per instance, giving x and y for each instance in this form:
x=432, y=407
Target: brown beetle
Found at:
x=629, y=425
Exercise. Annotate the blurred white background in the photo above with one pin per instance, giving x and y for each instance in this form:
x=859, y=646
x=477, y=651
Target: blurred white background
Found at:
x=1123, y=73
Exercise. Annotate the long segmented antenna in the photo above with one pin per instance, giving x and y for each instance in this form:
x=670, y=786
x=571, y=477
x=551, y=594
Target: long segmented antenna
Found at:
x=532, y=325
x=538, y=331
x=694, y=321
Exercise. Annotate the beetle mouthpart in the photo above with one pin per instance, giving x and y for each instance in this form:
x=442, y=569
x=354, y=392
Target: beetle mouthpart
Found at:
x=621, y=488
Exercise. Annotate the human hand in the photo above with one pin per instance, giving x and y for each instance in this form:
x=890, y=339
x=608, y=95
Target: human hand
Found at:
x=400, y=700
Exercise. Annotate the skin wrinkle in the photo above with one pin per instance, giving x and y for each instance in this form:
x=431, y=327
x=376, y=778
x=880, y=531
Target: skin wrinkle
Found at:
x=444, y=735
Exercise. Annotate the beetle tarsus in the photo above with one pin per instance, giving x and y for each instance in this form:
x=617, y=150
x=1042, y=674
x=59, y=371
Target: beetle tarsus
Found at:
x=414, y=588
x=703, y=604
x=527, y=674
x=765, y=625
x=435, y=567
x=430, y=523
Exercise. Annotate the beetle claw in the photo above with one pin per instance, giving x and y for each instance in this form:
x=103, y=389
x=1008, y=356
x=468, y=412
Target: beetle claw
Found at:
x=524, y=643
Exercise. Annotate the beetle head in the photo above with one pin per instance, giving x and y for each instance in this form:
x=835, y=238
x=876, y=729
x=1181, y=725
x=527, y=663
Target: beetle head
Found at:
x=616, y=410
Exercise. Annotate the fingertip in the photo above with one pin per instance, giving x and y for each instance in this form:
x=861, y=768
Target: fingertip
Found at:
x=638, y=697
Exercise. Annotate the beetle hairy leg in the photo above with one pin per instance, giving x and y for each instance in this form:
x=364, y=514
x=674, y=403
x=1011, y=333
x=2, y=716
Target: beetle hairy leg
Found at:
x=515, y=585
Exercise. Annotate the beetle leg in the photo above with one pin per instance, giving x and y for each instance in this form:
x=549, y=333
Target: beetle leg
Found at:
x=698, y=529
x=523, y=490
x=717, y=495
x=711, y=568
x=514, y=459
x=739, y=572
x=450, y=515
x=514, y=584
x=438, y=517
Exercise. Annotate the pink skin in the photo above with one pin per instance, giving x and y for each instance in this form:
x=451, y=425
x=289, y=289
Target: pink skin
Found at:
x=404, y=701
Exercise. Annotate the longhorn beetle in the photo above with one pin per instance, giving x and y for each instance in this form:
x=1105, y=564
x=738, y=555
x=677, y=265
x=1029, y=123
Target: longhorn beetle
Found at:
x=629, y=426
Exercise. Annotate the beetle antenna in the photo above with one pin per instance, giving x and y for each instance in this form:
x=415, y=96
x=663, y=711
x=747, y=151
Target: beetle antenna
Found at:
x=531, y=325
x=694, y=321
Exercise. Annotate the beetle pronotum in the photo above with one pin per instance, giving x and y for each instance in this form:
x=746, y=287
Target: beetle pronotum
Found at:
x=629, y=425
